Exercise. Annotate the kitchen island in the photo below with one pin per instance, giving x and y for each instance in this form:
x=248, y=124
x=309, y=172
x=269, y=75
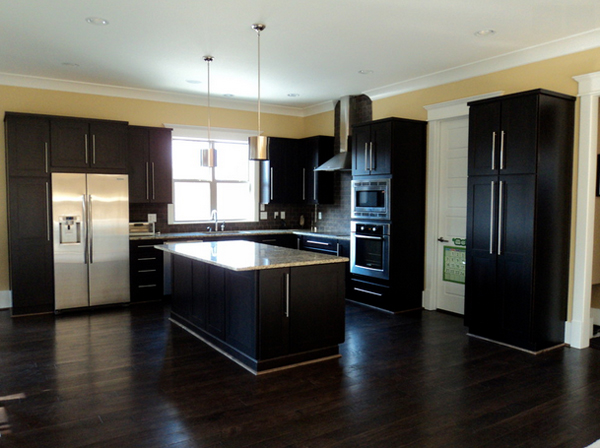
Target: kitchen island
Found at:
x=263, y=306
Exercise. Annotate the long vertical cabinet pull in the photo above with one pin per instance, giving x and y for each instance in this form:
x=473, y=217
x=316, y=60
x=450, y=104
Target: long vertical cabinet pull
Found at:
x=303, y=184
x=287, y=295
x=366, y=158
x=502, y=150
x=272, y=180
x=93, y=149
x=46, y=155
x=315, y=174
x=493, y=151
x=147, y=183
x=48, y=221
x=86, y=149
x=371, y=156
x=492, y=218
x=153, y=185
x=500, y=218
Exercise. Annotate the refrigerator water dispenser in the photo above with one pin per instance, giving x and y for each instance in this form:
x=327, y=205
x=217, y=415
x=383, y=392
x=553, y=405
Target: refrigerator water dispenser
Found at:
x=70, y=229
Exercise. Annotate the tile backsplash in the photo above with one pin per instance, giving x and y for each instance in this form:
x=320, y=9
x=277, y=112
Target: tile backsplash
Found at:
x=335, y=217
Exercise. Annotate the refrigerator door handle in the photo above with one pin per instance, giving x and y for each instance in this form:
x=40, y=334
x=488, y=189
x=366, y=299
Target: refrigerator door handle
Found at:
x=91, y=230
x=85, y=228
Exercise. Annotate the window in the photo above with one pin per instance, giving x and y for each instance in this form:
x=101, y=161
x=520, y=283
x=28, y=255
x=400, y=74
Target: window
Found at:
x=227, y=188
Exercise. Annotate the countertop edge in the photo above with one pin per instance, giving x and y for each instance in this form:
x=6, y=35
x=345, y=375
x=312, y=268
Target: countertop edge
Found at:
x=242, y=233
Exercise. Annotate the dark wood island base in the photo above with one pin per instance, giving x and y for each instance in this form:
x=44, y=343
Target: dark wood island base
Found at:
x=271, y=308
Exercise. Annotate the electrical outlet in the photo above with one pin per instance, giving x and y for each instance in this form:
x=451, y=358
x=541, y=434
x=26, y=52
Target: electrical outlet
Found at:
x=320, y=215
x=282, y=215
x=151, y=217
x=276, y=215
x=262, y=207
x=263, y=215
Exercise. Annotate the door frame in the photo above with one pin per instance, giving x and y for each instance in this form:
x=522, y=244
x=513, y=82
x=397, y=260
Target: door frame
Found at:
x=579, y=325
x=436, y=114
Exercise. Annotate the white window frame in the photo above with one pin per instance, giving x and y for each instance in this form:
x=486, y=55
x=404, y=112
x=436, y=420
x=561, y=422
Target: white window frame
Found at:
x=226, y=135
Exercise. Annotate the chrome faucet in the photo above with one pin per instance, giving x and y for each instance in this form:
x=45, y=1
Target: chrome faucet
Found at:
x=213, y=216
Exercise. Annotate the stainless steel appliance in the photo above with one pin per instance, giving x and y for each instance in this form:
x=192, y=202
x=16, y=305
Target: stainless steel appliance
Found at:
x=90, y=214
x=370, y=249
x=371, y=198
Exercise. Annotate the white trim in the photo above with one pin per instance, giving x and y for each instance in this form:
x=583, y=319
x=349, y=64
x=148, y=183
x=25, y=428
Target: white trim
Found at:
x=436, y=113
x=577, y=333
x=595, y=314
x=201, y=132
x=572, y=44
x=5, y=299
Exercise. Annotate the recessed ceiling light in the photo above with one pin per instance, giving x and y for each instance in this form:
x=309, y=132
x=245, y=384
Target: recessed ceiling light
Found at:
x=365, y=72
x=70, y=64
x=483, y=33
x=193, y=81
x=96, y=21
x=293, y=95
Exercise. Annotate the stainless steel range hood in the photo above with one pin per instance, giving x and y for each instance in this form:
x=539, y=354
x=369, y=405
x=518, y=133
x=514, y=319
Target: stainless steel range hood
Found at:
x=349, y=110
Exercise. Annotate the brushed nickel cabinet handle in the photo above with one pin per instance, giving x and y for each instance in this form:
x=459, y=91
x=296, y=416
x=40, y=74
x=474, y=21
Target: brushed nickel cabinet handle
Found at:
x=500, y=200
x=492, y=218
x=493, y=151
x=502, y=134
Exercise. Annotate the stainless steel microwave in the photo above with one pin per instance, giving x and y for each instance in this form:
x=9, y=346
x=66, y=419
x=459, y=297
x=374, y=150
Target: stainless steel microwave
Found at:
x=371, y=198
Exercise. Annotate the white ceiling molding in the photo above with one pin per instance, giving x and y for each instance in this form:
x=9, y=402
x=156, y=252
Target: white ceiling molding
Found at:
x=561, y=47
x=573, y=44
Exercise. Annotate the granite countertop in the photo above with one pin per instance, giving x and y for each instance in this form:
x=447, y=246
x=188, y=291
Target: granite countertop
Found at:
x=208, y=235
x=248, y=255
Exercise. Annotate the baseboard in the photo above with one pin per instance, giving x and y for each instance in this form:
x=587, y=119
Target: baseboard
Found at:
x=5, y=299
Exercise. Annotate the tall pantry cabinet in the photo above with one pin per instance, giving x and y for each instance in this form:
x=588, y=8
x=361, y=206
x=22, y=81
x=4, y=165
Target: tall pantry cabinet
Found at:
x=519, y=218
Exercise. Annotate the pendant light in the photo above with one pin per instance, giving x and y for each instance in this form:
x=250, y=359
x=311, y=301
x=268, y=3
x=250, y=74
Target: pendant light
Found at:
x=258, y=145
x=208, y=157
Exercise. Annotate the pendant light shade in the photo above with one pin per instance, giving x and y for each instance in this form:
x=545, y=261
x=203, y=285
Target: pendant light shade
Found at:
x=208, y=157
x=258, y=145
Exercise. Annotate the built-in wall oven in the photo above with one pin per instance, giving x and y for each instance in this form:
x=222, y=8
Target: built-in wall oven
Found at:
x=370, y=249
x=371, y=198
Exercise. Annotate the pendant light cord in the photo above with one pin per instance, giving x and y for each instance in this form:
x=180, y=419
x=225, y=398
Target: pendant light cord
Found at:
x=258, y=32
x=208, y=60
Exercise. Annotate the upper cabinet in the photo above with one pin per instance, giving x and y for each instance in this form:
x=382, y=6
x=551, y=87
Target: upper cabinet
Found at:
x=28, y=143
x=150, y=165
x=95, y=145
x=504, y=133
x=288, y=177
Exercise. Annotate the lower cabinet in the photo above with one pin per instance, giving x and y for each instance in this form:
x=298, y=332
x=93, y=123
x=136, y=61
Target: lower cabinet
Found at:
x=146, y=271
x=265, y=318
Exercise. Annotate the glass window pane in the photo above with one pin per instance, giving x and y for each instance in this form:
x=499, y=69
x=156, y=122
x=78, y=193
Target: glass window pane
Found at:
x=192, y=201
x=234, y=201
x=186, y=160
x=232, y=161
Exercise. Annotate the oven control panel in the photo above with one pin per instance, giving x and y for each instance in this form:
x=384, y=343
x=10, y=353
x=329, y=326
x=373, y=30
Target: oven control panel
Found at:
x=369, y=228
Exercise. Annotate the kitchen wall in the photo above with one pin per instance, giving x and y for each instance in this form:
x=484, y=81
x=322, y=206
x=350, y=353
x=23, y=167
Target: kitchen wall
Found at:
x=554, y=74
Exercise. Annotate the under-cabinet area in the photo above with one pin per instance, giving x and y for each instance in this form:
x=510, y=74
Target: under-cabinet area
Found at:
x=264, y=307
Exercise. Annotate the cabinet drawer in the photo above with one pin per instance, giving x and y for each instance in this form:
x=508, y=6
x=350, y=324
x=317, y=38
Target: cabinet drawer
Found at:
x=369, y=293
x=322, y=245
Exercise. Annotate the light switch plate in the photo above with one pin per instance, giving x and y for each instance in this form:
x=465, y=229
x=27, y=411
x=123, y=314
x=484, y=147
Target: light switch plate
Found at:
x=263, y=215
x=276, y=215
x=282, y=215
x=151, y=217
x=320, y=215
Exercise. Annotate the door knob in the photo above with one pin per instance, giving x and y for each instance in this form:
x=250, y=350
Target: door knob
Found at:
x=442, y=240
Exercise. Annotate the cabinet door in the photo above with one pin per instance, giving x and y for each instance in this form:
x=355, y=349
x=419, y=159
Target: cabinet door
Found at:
x=519, y=135
x=316, y=309
x=361, y=138
x=31, y=259
x=318, y=185
x=481, y=302
x=273, y=332
x=215, y=311
x=108, y=142
x=139, y=190
x=70, y=145
x=201, y=294
x=241, y=311
x=160, y=165
x=380, y=149
x=182, y=297
x=28, y=140
x=515, y=255
x=281, y=181
x=484, y=138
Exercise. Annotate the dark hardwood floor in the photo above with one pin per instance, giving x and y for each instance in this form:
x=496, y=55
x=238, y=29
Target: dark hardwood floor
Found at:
x=128, y=378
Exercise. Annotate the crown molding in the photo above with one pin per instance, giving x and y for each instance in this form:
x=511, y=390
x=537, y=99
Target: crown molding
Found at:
x=549, y=50
x=561, y=47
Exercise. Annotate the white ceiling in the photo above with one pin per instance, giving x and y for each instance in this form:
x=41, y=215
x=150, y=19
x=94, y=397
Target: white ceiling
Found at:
x=313, y=48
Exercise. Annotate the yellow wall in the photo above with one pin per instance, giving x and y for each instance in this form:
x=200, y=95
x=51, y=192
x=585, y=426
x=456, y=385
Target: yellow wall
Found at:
x=554, y=74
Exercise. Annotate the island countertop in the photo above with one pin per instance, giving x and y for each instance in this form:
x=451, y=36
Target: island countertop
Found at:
x=247, y=255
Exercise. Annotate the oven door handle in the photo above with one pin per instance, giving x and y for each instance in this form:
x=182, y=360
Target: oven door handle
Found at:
x=367, y=237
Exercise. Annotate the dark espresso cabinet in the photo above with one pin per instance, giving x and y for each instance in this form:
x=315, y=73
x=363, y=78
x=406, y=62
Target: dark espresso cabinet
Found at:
x=146, y=270
x=372, y=148
x=518, y=218
x=28, y=138
x=317, y=186
x=150, y=165
x=81, y=144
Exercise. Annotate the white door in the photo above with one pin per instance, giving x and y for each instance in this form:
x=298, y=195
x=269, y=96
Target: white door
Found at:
x=452, y=214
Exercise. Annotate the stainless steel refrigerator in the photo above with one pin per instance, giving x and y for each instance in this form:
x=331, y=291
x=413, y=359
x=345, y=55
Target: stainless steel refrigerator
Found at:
x=90, y=214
